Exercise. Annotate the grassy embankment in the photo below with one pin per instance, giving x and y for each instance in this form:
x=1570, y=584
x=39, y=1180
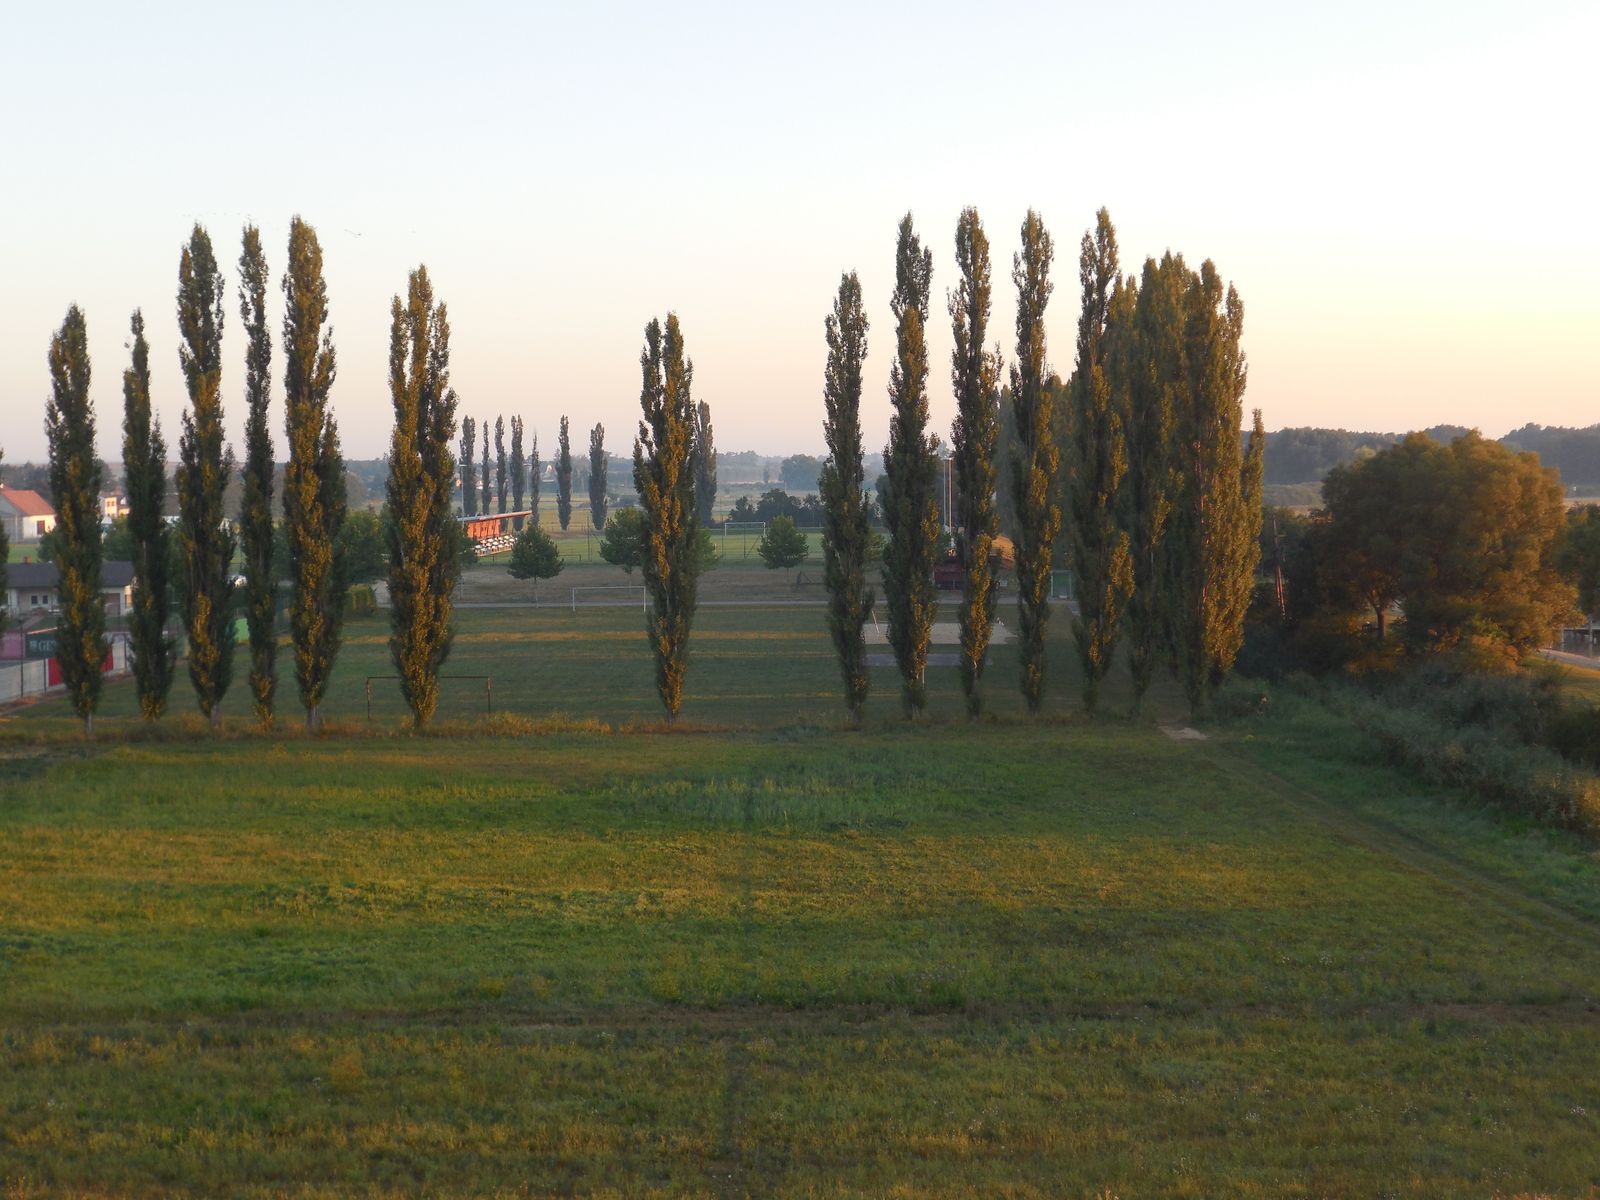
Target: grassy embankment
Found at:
x=779, y=958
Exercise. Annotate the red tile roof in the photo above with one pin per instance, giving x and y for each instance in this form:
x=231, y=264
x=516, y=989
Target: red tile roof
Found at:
x=29, y=504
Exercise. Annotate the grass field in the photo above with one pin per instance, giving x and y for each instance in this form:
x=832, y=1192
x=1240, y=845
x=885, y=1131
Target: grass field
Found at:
x=771, y=957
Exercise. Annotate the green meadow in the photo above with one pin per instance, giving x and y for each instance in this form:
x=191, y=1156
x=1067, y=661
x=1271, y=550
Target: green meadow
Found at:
x=567, y=952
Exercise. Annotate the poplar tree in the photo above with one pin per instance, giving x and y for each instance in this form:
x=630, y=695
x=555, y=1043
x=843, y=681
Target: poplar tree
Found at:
x=255, y=515
x=535, y=479
x=705, y=466
x=1035, y=455
x=910, y=508
x=204, y=469
x=313, y=481
x=75, y=486
x=666, y=494
x=422, y=571
x=144, y=473
x=1146, y=368
x=5, y=555
x=841, y=483
x=487, y=481
x=975, y=377
x=1097, y=464
x=564, y=477
x=502, y=478
x=469, y=445
x=1215, y=540
x=519, y=467
x=597, y=476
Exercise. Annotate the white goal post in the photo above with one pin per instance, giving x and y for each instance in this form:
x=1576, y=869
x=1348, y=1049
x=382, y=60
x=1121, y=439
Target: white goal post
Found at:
x=644, y=600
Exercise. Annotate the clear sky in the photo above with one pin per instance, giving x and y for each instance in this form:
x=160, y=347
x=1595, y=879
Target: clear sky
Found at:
x=1405, y=194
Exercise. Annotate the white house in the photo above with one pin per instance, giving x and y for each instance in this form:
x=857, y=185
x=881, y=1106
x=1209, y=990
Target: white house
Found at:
x=36, y=587
x=26, y=515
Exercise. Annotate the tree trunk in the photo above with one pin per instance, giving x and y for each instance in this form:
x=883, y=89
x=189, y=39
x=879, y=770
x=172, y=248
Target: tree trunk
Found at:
x=215, y=717
x=1381, y=610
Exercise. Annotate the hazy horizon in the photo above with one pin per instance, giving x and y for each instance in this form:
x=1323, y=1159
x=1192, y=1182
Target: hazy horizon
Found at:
x=1398, y=193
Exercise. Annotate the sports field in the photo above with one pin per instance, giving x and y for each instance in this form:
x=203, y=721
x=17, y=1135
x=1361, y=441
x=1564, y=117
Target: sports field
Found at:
x=768, y=956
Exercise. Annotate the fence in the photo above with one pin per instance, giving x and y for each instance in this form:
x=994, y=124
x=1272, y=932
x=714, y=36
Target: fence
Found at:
x=40, y=676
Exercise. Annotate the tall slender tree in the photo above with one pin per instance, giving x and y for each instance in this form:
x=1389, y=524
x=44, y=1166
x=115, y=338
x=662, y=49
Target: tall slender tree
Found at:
x=535, y=480
x=1097, y=463
x=519, y=468
x=205, y=466
x=469, y=446
x=846, y=536
x=1146, y=369
x=422, y=571
x=487, y=483
x=313, y=481
x=705, y=466
x=911, y=509
x=255, y=515
x=564, y=477
x=975, y=376
x=1215, y=540
x=75, y=475
x=597, y=476
x=502, y=476
x=1035, y=456
x=144, y=472
x=666, y=495
x=5, y=555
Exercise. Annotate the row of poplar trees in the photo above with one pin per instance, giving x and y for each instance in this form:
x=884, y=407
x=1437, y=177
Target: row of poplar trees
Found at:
x=313, y=492
x=1163, y=502
x=422, y=566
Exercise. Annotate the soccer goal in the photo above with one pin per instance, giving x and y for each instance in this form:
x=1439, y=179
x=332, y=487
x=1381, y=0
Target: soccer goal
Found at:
x=612, y=601
x=744, y=529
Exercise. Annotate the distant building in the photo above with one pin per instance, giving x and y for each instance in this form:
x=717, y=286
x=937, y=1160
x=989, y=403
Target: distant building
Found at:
x=36, y=587
x=112, y=506
x=27, y=516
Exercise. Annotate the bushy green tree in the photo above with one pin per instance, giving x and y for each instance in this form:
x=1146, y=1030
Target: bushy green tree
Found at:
x=313, y=481
x=1035, y=456
x=534, y=556
x=975, y=378
x=597, y=476
x=144, y=467
x=1214, y=544
x=564, y=477
x=623, y=543
x=1466, y=536
x=846, y=536
x=910, y=509
x=422, y=567
x=205, y=466
x=1146, y=367
x=1097, y=461
x=783, y=545
x=75, y=476
x=1578, y=558
x=255, y=516
x=662, y=475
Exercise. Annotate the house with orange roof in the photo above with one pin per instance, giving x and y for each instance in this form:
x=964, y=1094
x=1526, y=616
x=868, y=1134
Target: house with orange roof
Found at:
x=27, y=516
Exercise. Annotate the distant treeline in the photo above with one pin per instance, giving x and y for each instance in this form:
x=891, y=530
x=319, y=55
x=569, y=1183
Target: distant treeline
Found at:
x=1306, y=455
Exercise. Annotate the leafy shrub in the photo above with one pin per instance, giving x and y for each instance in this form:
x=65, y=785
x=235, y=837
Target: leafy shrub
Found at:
x=360, y=601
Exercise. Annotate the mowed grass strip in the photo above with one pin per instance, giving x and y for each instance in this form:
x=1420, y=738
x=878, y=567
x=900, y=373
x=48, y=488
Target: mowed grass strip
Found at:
x=1025, y=959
